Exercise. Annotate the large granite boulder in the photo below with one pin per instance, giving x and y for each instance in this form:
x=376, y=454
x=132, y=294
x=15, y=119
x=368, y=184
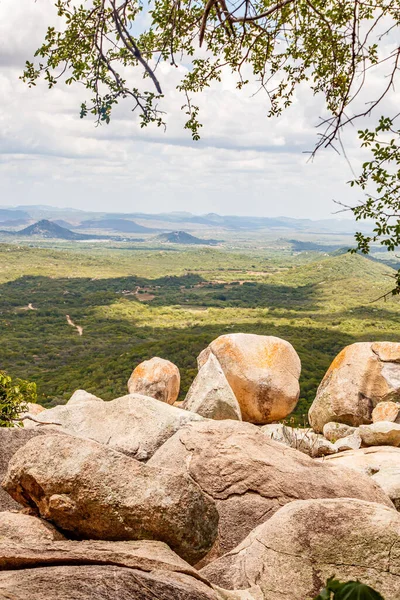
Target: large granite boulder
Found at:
x=157, y=378
x=381, y=463
x=210, y=394
x=99, y=570
x=250, y=476
x=361, y=376
x=293, y=554
x=11, y=439
x=135, y=425
x=22, y=528
x=263, y=372
x=96, y=492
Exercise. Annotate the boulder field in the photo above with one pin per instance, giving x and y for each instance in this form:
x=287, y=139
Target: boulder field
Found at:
x=136, y=498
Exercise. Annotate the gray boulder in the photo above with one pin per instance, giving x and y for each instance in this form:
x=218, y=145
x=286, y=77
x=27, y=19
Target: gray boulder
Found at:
x=96, y=492
x=210, y=394
x=135, y=425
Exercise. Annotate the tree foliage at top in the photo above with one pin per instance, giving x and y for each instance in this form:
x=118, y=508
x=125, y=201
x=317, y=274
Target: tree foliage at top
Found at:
x=335, y=47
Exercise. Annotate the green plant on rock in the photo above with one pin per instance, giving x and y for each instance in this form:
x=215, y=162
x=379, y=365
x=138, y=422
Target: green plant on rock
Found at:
x=14, y=398
x=350, y=590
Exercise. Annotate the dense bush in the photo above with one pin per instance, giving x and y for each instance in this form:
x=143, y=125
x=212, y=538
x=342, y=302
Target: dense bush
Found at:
x=350, y=590
x=14, y=398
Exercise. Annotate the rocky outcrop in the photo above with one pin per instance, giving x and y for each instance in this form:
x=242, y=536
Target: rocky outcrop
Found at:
x=381, y=463
x=304, y=440
x=21, y=528
x=157, y=378
x=135, y=425
x=250, y=476
x=386, y=411
x=95, y=492
x=361, y=376
x=382, y=433
x=263, y=372
x=306, y=542
x=210, y=394
x=94, y=570
x=11, y=439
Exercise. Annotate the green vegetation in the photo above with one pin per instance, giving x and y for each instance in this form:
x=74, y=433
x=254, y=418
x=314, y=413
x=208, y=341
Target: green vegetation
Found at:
x=14, y=396
x=134, y=304
x=350, y=590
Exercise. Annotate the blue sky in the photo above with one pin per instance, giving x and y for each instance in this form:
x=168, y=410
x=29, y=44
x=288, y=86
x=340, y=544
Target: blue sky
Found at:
x=244, y=164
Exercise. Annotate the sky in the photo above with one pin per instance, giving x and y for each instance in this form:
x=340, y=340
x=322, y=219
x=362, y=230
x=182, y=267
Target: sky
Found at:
x=245, y=163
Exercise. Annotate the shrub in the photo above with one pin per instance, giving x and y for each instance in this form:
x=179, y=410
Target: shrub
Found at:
x=350, y=590
x=14, y=398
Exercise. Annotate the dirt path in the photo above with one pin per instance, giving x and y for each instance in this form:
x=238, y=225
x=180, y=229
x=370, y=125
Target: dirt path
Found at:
x=77, y=327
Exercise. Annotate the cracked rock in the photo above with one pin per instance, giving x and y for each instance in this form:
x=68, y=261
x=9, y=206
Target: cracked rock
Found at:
x=250, y=476
x=306, y=542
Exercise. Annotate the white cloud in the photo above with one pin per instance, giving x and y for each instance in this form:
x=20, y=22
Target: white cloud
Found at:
x=244, y=164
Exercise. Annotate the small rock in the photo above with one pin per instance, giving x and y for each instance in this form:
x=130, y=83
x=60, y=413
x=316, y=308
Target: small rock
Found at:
x=304, y=440
x=335, y=431
x=382, y=433
x=210, y=394
x=80, y=396
x=386, y=411
x=350, y=442
x=381, y=463
x=18, y=527
x=157, y=378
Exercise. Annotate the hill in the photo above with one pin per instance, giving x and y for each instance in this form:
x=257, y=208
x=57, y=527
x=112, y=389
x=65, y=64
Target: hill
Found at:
x=181, y=237
x=48, y=230
x=120, y=225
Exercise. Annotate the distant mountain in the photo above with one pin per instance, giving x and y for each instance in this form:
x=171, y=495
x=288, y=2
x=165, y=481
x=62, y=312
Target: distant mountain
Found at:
x=48, y=230
x=120, y=225
x=181, y=237
x=13, y=215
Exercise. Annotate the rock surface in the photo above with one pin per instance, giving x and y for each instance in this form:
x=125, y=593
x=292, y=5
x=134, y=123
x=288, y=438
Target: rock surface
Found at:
x=18, y=527
x=304, y=440
x=381, y=463
x=306, y=542
x=361, y=376
x=157, y=378
x=383, y=433
x=95, y=570
x=95, y=492
x=335, y=431
x=386, y=411
x=82, y=396
x=135, y=425
x=210, y=394
x=263, y=372
x=11, y=439
x=351, y=442
x=250, y=476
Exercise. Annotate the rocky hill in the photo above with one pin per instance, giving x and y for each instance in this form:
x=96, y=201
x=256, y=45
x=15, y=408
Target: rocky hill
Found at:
x=181, y=237
x=211, y=499
x=48, y=230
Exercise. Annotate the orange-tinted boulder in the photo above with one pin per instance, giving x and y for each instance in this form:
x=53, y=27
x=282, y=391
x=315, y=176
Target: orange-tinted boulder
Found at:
x=157, y=378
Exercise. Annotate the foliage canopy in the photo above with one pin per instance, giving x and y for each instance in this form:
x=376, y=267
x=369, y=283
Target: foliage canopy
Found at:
x=14, y=398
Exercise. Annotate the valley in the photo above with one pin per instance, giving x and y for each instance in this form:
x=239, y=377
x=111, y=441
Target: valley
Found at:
x=134, y=302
